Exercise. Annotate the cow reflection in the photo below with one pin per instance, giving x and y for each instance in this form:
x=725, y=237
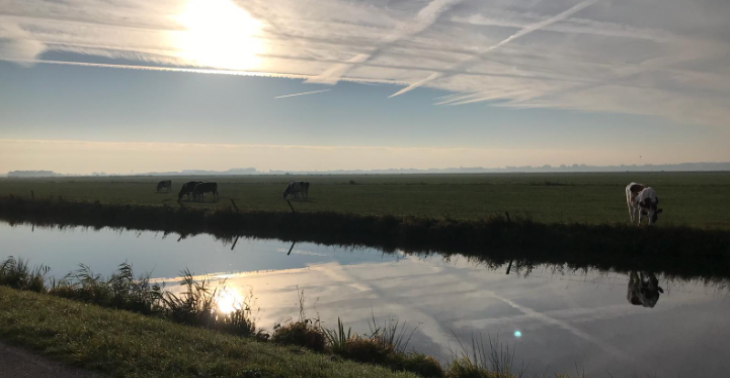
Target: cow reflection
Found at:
x=643, y=289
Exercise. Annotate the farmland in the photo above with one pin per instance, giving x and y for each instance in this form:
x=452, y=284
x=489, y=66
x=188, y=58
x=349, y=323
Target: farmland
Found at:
x=688, y=199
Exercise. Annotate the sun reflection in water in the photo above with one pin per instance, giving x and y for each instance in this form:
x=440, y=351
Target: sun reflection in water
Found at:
x=219, y=34
x=228, y=300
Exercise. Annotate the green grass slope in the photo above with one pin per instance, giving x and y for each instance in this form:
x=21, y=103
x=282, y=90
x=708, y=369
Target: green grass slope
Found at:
x=123, y=344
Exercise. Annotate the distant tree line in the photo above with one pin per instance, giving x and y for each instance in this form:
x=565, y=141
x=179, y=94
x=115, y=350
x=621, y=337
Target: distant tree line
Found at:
x=32, y=174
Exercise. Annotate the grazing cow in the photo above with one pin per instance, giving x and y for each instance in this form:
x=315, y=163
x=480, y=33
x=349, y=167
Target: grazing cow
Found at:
x=164, y=184
x=187, y=189
x=642, y=200
x=205, y=187
x=297, y=189
x=643, y=289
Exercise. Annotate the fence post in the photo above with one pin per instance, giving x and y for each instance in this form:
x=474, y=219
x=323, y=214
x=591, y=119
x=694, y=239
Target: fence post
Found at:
x=234, y=206
x=180, y=203
x=292, y=207
x=509, y=267
x=32, y=195
x=235, y=241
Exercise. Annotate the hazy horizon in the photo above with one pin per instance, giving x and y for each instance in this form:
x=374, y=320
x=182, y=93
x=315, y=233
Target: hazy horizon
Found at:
x=130, y=86
x=563, y=168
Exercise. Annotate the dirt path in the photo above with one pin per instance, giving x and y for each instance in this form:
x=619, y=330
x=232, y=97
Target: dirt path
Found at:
x=19, y=363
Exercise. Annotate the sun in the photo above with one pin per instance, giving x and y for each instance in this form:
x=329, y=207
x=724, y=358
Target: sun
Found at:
x=219, y=34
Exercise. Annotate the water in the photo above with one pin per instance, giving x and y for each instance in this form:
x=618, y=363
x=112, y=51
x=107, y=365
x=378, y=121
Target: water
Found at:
x=554, y=318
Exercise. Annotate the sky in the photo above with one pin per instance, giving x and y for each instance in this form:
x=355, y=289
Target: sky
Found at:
x=122, y=86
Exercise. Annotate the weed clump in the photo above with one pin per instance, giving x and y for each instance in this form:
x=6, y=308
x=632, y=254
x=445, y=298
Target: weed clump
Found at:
x=303, y=334
x=17, y=274
x=465, y=368
x=418, y=363
x=367, y=350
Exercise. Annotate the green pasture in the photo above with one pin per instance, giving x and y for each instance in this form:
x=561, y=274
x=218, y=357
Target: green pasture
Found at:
x=693, y=199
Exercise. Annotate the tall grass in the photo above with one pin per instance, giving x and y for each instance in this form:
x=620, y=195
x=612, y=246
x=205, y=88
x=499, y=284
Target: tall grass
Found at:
x=337, y=338
x=120, y=290
x=16, y=273
x=490, y=359
x=392, y=332
x=196, y=305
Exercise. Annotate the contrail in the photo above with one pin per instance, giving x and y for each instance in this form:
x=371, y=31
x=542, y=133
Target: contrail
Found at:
x=524, y=31
x=303, y=93
x=198, y=70
x=426, y=17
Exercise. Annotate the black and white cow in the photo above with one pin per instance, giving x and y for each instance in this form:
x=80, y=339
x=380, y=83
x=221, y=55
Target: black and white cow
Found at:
x=297, y=189
x=187, y=189
x=164, y=184
x=643, y=289
x=205, y=187
x=642, y=200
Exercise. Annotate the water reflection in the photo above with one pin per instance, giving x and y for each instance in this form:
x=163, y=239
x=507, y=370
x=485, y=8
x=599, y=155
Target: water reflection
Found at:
x=643, y=289
x=555, y=315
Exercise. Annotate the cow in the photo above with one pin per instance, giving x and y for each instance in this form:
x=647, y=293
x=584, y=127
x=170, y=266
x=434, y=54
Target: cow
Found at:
x=297, y=188
x=164, y=184
x=205, y=187
x=643, y=289
x=642, y=200
x=187, y=189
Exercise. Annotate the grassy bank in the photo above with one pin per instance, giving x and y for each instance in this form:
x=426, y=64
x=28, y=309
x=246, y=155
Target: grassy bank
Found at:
x=386, y=345
x=684, y=252
x=122, y=344
x=691, y=199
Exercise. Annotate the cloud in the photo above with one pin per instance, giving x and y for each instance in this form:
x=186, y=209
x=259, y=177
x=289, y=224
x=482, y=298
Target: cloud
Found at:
x=303, y=93
x=422, y=20
x=16, y=43
x=670, y=58
x=522, y=32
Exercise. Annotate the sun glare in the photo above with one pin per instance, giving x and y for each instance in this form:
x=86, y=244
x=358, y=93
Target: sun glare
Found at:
x=228, y=300
x=219, y=34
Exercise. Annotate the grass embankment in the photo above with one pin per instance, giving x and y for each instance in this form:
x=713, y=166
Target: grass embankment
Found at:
x=386, y=345
x=691, y=199
x=123, y=344
x=680, y=251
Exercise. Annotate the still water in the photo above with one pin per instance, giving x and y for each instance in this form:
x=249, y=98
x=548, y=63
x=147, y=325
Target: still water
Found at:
x=556, y=319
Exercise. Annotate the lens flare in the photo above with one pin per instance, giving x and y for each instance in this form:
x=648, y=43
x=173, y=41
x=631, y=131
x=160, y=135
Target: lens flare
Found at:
x=518, y=334
x=219, y=34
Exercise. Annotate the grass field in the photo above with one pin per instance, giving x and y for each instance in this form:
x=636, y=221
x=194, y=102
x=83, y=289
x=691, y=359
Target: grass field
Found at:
x=692, y=199
x=123, y=344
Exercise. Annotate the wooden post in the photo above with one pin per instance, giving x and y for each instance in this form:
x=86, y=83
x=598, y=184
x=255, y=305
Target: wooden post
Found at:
x=291, y=248
x=32, y=195
x=292, y=207
x=235, y=241
x=180, y=203
x=509, y=267
x=234, y=206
